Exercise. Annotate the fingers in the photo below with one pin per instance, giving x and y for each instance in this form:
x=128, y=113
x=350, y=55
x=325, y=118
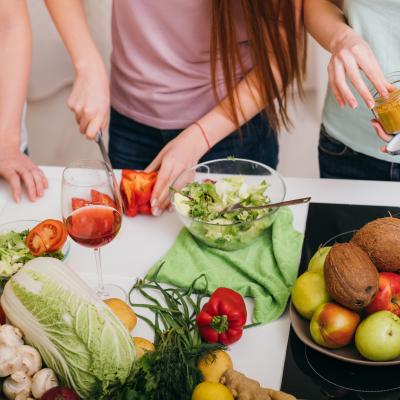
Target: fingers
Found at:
x=45, y=182
x=13, y=179
x=353, y=72
x=341, y=84
x=157, y=203
x=369, y=64
x=333, y=86
x=156, y=163
x=94, y=126
x=380, y=131
x=29, y=183
x=37, y=178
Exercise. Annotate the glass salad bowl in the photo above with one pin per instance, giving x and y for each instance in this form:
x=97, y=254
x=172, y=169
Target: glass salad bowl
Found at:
x=229, y=181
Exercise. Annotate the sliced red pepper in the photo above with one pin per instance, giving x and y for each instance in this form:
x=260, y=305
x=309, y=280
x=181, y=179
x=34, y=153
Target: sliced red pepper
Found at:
x=102, y=199
x=222, y=319
x=78, y=203
x=136, y=189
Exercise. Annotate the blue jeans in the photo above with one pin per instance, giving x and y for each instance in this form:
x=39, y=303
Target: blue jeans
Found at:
x=338, y=161
x=134, y=145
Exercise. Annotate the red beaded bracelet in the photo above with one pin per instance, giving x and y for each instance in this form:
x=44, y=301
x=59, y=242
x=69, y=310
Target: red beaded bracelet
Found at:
x=204, y=134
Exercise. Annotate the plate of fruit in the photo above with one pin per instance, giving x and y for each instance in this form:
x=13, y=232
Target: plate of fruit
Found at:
x=347, y=304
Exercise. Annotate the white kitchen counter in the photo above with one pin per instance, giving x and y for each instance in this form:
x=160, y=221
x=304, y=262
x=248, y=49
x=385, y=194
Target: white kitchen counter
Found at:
x=143, y=240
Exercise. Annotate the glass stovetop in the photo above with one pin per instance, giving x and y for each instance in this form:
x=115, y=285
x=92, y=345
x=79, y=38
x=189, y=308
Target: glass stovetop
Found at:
x=311, y=375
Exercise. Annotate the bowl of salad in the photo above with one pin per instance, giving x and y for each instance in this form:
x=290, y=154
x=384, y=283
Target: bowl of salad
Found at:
x=14, y=251
x=202, y=197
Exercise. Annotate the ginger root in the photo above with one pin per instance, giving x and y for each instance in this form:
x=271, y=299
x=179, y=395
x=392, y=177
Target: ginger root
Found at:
x=244, y=388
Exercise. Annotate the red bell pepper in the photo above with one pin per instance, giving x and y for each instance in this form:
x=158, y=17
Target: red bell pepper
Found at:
x=136, y=189
x=96, y=197
x=102, y=198
x=222, y=319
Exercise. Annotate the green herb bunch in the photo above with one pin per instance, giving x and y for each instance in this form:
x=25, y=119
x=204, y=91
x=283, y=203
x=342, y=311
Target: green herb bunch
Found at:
x=169, y=373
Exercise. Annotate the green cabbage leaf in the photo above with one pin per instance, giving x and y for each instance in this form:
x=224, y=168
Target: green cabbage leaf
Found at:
x=77, y=335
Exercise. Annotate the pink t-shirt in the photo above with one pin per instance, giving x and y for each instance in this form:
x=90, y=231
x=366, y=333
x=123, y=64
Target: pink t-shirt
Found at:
x=160, y=74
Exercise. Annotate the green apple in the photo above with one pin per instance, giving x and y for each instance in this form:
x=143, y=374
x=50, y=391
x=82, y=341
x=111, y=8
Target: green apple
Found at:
x=309, y=292
x=378, y=336
x=316, y=263
x=333, y=325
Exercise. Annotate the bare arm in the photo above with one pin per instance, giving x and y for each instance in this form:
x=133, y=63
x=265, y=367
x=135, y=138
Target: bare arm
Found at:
x=89, y=99
x=187, y=148
x=16, y=47
x=325, y=21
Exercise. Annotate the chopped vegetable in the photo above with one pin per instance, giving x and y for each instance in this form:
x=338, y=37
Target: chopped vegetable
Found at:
x=14, y=253
x=207, y=203
x=244, y=388
x=48, y=236
x=77, y=202
x=99, y=198
x=77, y=335
x=96, y=198
x=136, y=189
x=207, y=200
x=222, y=319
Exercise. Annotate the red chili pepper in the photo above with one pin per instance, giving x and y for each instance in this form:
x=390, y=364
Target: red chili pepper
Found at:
x=136, y=188
x=222, y=319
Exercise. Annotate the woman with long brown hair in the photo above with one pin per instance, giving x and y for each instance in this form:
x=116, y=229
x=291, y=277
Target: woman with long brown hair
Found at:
x=186, y=75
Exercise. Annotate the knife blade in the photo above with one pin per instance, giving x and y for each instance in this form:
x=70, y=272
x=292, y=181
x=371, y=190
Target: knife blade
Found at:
x=100, y=142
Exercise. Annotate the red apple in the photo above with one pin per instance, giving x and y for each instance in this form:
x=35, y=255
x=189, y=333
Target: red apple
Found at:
x=60, y=393
x=2, y=317
x=333, y=326
x=388, y=295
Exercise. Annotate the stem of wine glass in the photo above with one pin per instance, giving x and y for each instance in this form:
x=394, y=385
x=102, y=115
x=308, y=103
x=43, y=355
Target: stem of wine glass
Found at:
x=100, y=288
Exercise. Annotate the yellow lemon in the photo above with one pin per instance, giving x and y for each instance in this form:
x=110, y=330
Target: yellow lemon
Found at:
x=142, y=346
x=213, y=366
x=211, y=391
x=123, y=311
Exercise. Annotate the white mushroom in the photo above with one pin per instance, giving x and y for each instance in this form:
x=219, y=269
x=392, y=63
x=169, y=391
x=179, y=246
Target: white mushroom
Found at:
x=17, y=386
x=10, y=336
x=43, y=381
x=31, y=360
x=10, y=361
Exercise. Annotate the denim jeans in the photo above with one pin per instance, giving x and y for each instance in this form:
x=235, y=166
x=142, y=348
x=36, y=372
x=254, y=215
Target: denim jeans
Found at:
x=134, y=145
x=336, y=160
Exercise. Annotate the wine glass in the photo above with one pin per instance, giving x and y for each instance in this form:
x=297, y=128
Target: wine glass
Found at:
x=92, y=212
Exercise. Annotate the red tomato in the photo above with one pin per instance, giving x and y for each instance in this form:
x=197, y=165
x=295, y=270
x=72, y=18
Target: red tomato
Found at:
x=2, y=317
x=102, y=198
x=78, y=203
x=35, y=243
x=50, y=234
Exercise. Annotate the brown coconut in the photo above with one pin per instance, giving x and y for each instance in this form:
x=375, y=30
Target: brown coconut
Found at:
x=351, y=277
x=380, y=239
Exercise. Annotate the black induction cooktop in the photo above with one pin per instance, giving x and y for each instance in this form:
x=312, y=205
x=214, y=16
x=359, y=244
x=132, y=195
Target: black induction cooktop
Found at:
x=309, y=374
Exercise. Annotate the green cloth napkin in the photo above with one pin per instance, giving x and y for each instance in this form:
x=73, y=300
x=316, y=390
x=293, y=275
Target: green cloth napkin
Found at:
x=265, y=270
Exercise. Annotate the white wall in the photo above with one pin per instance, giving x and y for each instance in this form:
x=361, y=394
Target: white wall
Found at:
x=53, y=135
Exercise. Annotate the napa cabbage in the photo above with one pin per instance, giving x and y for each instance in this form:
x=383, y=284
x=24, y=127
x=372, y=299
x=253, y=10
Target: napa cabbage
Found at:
x=77, y=335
